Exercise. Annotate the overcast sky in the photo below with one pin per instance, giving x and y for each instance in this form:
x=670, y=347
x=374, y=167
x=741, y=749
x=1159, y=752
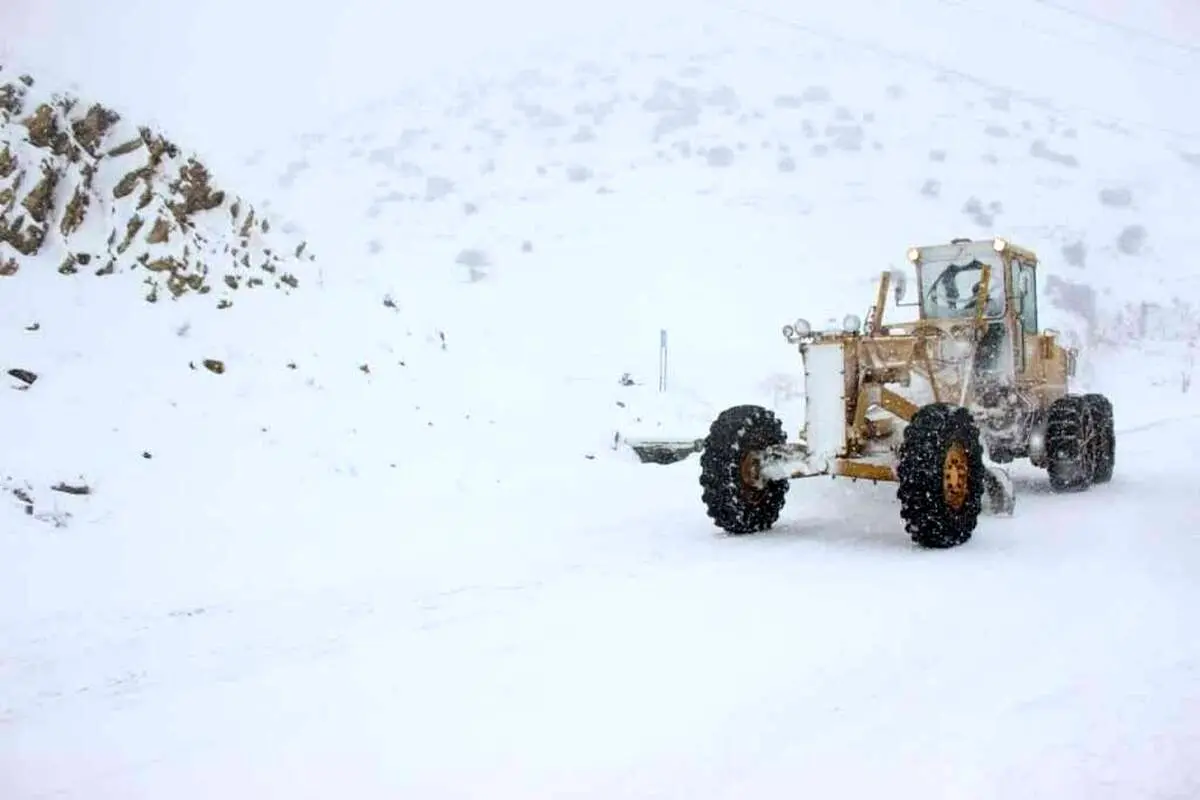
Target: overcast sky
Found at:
x=269, y=65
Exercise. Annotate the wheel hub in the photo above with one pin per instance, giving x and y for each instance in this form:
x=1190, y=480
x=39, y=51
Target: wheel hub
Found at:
x=750, y=471
x=955, y=472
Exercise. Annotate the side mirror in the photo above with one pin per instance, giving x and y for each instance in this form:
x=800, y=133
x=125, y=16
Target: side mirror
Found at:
x=900, y=284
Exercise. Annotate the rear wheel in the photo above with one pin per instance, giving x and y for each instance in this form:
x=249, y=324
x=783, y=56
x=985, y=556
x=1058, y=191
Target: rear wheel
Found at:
x=729, y=470
x=941, y=476
x=1070, y=446
x=1104, y=438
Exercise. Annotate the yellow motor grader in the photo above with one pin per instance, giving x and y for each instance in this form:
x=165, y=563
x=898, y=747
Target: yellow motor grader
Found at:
x=934, y=404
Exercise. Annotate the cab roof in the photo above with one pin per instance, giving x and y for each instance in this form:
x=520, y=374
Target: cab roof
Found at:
x=961, y=247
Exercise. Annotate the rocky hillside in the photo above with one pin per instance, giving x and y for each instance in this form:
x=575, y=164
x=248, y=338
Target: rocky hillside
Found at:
x=89, y=192
x=121, y=213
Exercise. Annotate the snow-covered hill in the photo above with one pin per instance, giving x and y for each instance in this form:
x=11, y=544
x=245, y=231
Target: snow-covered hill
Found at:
x=369, y=535
x=101, y=222
x=542, y=211
x=718, y=172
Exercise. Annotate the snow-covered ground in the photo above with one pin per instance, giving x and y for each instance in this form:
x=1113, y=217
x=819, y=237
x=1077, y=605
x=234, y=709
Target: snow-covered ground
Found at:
x=391, y=551
x=582, y=632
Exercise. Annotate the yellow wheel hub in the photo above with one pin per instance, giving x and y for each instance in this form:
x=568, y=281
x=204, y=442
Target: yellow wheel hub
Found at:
x=749, y=473
x=955, y=471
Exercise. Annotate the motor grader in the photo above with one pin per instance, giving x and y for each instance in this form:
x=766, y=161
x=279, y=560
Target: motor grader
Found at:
x=935, y=404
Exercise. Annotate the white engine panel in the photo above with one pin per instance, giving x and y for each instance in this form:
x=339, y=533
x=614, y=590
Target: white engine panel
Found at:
x=825, y=404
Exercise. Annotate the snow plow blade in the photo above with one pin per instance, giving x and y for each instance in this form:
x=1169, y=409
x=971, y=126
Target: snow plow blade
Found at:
x=663, y=451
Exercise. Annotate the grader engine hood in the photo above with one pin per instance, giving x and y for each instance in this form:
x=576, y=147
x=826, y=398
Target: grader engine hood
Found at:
x=921, y=362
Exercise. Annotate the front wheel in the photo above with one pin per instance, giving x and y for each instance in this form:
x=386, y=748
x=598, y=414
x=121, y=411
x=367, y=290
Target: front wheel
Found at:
x=728, y=470
x=941, y=476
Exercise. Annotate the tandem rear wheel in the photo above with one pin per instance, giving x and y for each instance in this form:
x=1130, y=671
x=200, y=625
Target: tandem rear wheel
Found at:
x=1080, y=442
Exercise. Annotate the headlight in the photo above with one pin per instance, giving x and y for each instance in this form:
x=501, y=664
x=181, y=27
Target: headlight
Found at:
x=914, y=255
x=851, y=323
x=801, y=327
x=788, y=332
x=999, y=245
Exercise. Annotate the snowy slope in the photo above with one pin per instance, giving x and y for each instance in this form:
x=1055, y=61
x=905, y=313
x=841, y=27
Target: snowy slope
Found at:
x=111, y=238
x=592, y=167
x=758, y=169
x=389, y=551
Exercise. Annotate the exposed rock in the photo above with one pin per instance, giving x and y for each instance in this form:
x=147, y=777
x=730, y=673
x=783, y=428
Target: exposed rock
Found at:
x=129, y=182
x=74, y=212
x=43, y=128
x=12, y=99
x=125, y=148
x=160, y=232
x=132, y=226
x=68, y=166
x=40, y=200
x=194, y=192
x=72, y=488
x=91, y=130
x=247, y=225
x=25, y=239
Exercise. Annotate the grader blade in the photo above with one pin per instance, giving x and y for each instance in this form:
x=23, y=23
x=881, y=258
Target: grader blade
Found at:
x=999, y=492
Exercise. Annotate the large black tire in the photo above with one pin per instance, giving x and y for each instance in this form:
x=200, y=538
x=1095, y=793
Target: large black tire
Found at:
x=733, y=504
x=941, y=476
x=1104, y=438
x=1070, y=449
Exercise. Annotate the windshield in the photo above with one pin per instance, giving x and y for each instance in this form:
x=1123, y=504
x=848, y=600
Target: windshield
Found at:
x=949, y=287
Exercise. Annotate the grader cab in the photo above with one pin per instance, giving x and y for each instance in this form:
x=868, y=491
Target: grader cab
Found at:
x=934, y=404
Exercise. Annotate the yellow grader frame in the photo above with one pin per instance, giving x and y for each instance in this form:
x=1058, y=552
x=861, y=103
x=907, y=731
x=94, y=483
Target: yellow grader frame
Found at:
x=933, y=404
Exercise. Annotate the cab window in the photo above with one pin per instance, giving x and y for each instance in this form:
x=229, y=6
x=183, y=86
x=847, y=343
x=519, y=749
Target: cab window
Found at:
x=1025, y=293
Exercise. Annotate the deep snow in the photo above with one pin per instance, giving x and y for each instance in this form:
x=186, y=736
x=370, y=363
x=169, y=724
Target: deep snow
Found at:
x=435, y=578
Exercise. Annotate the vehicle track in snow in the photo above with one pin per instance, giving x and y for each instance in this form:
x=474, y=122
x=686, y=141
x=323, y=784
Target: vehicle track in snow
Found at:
x=661, y=587
x=125, y=658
